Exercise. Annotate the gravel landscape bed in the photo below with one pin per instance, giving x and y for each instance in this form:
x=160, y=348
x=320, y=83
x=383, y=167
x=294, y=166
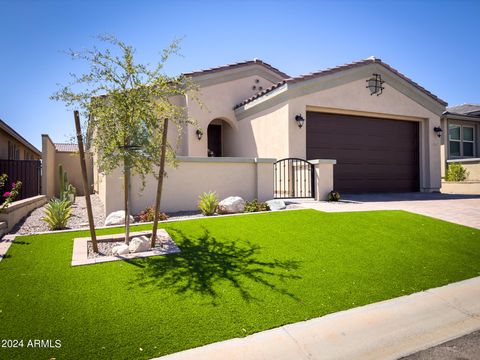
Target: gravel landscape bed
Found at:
x=33, y=223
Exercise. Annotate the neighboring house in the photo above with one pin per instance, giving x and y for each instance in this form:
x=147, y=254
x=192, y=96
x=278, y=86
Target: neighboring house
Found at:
x=13, y=146
x=20, y=161
x=67, y=155
x=461, y=138
x=382, y=142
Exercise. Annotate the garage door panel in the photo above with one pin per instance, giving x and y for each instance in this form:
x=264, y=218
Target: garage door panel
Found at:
x=373, y=155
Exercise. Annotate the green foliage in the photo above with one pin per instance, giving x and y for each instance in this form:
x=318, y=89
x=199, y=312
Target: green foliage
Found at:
x=456, y=172
x=255, y=206
x=124, y=102
x=208, y=203
x=333, y=196
x=57, y=212
x=67, y=191
x=148, y=215
x=261, y=271
x=9, y=196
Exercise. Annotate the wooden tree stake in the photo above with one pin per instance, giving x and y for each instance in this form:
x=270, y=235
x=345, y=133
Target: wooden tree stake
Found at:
x=161, y=171
x=85, y=181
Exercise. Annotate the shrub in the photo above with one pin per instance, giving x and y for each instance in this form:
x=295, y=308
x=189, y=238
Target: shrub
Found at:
x=8, y=196
x=57, y=212
x=456, y=172
x=148, y=215
x=255, y=206
x=208, y=203
x=333, y=196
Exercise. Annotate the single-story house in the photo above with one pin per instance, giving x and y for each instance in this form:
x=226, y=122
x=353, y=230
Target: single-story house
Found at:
x=374, y=123
x=461, y=138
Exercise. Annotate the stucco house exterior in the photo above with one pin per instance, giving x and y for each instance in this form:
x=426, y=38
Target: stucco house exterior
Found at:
x=14, y=146
x=461, y=138
x=255, y=114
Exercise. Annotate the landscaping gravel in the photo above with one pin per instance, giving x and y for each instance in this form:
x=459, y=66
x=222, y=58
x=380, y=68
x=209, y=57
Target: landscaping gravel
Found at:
x=105, y=248
x=33, y=223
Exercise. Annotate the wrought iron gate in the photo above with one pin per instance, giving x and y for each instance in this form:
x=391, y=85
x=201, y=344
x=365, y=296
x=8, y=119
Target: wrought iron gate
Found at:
x=293, y=178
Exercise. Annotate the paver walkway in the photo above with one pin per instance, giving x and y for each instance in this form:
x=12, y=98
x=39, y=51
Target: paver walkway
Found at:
x=459, y=209
x=385, y=330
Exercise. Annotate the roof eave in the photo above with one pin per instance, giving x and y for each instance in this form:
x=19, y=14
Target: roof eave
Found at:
x=9, y=130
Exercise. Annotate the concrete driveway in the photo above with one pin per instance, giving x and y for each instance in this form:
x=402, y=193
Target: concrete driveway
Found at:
x=459, y=209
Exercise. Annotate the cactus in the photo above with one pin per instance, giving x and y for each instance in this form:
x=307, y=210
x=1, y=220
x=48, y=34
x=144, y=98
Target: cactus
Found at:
x=65, y=188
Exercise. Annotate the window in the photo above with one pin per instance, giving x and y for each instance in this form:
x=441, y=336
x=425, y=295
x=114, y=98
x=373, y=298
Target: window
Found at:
x=461, y=140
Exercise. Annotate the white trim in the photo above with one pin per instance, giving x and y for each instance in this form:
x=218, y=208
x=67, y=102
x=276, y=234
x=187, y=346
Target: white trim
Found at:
x=230, y=159
x=467, y=160
x=322, y=161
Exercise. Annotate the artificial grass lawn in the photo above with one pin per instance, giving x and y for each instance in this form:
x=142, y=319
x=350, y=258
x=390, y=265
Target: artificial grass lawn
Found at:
x=235, y=276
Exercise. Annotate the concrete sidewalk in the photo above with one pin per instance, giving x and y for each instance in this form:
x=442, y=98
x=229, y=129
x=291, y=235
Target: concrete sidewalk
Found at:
x=385, y=330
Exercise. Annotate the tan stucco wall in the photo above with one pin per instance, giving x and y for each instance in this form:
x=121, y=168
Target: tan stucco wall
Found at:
x=217, y=102
x=471, y=165
x=248, y=178
x=5, y=138
x=473, y=170
x=465, y=188
x=71, y=164
x=48, y=167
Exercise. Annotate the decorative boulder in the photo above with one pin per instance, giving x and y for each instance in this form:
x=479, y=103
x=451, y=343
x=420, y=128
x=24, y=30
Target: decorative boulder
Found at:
x=139, y=244
x=231, y=205
x=120, y=249
x=276, y=204
x=117, y=218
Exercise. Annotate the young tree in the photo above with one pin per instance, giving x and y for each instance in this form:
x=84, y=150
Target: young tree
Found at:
x=126, y=105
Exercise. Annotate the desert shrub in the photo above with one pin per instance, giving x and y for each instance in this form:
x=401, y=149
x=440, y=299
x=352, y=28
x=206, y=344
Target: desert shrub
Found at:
x=57, y=212
x=208, y=203
x=456, y=172
x=255, y=206
x=333, y=196
x=148, y=215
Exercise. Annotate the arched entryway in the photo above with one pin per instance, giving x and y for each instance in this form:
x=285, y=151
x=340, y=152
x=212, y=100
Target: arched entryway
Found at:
x=218, y=132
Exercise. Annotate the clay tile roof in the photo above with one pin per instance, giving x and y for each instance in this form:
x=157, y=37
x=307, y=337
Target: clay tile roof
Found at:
x=336, y=69
x=464, y=109
x=66, y=147
x=237, y=65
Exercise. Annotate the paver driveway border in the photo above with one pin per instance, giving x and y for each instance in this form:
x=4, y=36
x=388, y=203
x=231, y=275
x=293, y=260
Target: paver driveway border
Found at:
x=458, y=209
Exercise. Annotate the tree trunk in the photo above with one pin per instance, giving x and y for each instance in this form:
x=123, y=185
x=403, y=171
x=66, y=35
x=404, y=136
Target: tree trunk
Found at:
x=161, y=171
x=126, y=199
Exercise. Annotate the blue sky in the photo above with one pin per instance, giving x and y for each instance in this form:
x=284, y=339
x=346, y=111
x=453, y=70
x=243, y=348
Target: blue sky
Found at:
x=433, y=42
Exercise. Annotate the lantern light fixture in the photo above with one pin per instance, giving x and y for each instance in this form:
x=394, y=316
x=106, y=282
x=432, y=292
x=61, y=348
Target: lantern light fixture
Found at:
x=375, y=84
x=300, y=120
x=438, y=130
x=199, y=133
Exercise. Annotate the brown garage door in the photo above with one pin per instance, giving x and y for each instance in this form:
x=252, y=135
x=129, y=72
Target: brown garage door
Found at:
x=373, y=155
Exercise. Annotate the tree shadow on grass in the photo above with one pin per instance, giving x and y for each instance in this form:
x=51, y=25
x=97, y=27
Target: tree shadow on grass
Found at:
x=204, y=263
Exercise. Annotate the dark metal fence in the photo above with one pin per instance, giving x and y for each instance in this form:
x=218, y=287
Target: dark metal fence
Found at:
x=29, y=172
x=293, y=178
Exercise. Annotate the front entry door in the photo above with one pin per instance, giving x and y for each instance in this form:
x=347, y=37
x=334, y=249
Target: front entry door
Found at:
x=214, y=134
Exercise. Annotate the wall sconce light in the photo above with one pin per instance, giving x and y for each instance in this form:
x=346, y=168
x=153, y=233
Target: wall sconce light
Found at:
x=375, y=84
x=199, y=133
x=438, y=130
x=300, y=120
